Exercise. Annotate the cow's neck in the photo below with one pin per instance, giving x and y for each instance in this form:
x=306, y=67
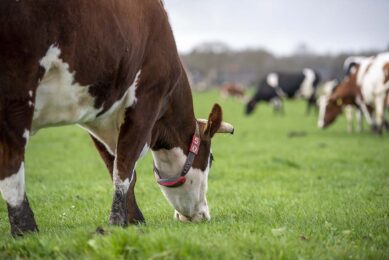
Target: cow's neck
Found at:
x=172, y=134
x=176, y=126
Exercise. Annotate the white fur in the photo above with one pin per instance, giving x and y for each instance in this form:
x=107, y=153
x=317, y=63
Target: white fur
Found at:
x=119, y=184
x=306, y=88
x=106, y=128
x=59, y=99
x=352, y=59
x=372, y=85
x=272, y=80
x=12, y=188
x=30, y=93
x=189, y=200
x=323, y=102
x=26, y=135
x=328, y=88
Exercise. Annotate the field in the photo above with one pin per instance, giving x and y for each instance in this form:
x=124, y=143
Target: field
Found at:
x=279, y=189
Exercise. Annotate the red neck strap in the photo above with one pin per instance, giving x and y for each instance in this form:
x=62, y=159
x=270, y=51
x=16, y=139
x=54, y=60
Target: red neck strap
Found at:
x=193, y=151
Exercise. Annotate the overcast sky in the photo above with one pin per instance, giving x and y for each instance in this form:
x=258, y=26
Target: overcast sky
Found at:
x=281, y=25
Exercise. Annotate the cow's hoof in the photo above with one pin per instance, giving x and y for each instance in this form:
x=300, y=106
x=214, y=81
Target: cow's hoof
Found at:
x=386, y=125
x=119, y=211
x=377, y=129
x=137, y=220
x=22, y=219
x=135, y=216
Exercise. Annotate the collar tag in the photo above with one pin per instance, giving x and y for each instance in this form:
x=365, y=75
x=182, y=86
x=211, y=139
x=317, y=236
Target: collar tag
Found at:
x=195, y=145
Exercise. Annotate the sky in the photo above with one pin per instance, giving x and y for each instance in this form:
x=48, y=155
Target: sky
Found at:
x=326, y=26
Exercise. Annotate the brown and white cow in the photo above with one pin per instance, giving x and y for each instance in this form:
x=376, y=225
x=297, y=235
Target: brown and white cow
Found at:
x=365, y=87
x=112, y=67
x=328, y=89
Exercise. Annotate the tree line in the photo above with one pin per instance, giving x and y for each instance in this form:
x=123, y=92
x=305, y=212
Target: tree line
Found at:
x=213, y=64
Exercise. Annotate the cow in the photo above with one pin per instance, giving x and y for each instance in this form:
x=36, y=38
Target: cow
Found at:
x=327, y=89
x=365, y=87
x=113, y=68
x=277, y=86
x=232, y=90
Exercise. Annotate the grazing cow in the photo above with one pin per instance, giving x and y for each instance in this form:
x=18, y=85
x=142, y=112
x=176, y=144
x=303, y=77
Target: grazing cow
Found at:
x=112, y=67
x=277, y=86
x=232, y=90
x=327, y=90
x=365, y=87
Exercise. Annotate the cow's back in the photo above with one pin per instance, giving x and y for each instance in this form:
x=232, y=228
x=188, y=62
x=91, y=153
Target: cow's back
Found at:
x=290, y=83
x=90, y=50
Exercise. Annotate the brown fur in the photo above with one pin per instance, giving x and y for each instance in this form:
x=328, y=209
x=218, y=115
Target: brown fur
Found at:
x=232, y=90
x=345, y=94
x=105, y=43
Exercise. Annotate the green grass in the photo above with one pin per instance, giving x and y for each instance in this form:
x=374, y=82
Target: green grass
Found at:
x=322, y=195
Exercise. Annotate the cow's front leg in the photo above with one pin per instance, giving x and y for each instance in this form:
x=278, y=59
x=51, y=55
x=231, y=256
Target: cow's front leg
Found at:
x=134, y=134
x=134, y=215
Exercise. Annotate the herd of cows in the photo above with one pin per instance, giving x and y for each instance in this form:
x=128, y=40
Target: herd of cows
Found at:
x=121, y=79
x=364, y=90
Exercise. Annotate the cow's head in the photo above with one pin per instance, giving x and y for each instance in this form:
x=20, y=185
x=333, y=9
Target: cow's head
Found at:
x=332, y=103
x=189, y=199
x=250, y=106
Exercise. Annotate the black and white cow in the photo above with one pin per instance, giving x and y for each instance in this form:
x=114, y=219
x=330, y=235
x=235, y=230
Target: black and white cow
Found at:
x=277, y=86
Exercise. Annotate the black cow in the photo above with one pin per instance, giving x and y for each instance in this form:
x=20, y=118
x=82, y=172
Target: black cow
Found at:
x=277, y=86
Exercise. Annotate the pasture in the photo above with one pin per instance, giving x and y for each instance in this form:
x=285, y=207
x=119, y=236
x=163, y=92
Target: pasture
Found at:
x=279, y=188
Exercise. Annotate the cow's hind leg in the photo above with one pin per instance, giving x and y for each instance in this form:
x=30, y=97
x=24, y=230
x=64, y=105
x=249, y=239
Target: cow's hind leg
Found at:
x=133, y=214
x=15, y=120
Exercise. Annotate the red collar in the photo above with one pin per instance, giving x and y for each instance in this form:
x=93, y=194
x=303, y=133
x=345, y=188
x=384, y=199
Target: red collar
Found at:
x=193, y=151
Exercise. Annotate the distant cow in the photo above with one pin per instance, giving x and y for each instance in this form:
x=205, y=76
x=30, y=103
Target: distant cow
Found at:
x=113, y=68
x=232, y=90
x=277, y=86
x=328, y=88
x=365, y=87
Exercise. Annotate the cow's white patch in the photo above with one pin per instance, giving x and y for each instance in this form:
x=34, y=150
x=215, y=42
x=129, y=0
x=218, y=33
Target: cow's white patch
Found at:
x=189, y=200
x=30, y=93
x=306, y=88
x=323, y=102
x=59, y=99
x=12, y=188
x=26, y=135
x=30, y=103
x=106, y=128
x=119, y=184
x=352, y=59
x=272, y=80
x=372, y=86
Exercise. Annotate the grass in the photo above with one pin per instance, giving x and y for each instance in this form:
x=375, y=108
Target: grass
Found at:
x=320, y=194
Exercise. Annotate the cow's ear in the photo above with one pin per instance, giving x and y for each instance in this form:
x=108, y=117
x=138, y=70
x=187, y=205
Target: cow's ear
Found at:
x=214, y=124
